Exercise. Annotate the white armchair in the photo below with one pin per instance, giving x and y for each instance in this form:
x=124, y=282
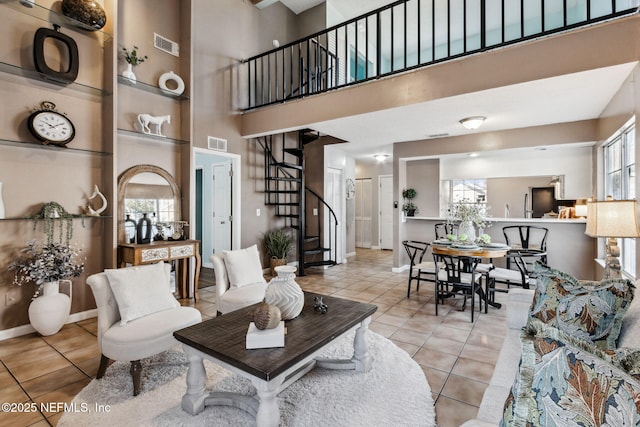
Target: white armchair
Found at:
x=239, y=279
x=137, y=315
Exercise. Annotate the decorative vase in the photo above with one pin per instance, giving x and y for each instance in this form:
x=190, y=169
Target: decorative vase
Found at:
x=128, y=73
x=130, y=229
x=144, y=230
x=49, y=312
x=87, y=12
x=466, y=227
x=285, y=293
x=1, y=203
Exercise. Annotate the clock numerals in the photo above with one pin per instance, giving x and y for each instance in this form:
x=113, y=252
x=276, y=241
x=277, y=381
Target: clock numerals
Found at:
x=51, y=127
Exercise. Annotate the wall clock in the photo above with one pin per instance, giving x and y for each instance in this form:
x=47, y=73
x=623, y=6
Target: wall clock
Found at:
x=49, y=126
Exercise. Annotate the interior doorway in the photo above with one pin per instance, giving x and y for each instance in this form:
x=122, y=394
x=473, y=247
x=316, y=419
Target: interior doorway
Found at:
x=385, y=209
x=363, y=218
x=334, y=196
x=216, y=202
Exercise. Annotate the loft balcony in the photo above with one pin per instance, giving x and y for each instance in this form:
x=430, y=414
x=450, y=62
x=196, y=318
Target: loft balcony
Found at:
x=411, y=34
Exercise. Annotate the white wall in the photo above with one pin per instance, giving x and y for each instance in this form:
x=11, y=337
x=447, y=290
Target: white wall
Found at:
x=574, y=163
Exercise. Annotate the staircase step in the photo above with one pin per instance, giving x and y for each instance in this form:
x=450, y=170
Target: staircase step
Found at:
x=308, y=135
x=288, y=215
x=284, y=178
x=294, y=152
x=288, y=165
x=282, y=204
x=283, y=192
x=314, y=251
x=309, y=239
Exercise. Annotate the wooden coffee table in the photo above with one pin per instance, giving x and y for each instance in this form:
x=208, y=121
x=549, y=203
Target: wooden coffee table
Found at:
x=222, y=341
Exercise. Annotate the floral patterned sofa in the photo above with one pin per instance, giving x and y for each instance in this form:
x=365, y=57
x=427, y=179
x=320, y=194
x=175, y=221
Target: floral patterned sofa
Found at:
x=571, y=356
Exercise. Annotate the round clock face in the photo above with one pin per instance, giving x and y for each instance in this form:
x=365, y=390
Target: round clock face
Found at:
x=51, y=127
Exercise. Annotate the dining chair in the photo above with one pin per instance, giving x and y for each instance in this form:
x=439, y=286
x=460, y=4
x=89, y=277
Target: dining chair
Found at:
x=442, y=229
x=518, y=274
x=458, y=275
x=530, y=237
x=419, y=269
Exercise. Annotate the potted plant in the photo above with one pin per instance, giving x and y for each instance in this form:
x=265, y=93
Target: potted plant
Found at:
x=45, y=265
x=278, y=244
x=409, y=207
x=467, y=215
x=132, y=58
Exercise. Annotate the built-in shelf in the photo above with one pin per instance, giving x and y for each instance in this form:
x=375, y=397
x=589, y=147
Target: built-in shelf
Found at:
x=83, y=217
x=37, y=146
x=36, y=75
x=149, y=88
x=151, y=137
x=57, y=18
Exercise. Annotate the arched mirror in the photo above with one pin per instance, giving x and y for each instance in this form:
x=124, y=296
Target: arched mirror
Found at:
x=147, y=191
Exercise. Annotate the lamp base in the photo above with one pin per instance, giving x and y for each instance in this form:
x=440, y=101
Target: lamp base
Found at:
x=612, y=262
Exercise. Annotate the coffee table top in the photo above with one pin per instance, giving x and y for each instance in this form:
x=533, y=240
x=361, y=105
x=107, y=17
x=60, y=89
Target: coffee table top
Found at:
x=224, y=337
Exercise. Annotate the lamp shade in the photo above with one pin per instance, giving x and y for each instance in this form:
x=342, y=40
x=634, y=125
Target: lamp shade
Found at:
x=612, y=218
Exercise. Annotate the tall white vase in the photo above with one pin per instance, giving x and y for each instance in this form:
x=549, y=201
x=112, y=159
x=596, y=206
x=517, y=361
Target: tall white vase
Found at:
x=128, y=73
x=50, y=311
x=1, y=203
x=285, y=293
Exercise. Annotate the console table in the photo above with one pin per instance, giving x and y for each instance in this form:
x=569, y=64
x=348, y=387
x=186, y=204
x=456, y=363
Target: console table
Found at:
x=165, y=250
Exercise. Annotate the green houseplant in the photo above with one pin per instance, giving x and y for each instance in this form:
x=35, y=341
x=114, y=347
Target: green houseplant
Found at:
x=409, y=207
x=278, y=244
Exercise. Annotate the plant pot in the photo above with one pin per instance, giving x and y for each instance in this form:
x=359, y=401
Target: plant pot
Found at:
x=50, y=311
x=276, y=262
x=411, y=212
x=128, y=73
x=467, y=227
x=285, y=293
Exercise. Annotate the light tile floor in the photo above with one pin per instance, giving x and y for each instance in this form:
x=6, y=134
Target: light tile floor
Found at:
x=457, y=356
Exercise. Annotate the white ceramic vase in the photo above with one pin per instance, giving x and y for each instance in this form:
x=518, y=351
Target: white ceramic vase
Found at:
x=466, y=227
x=50, y=311
x=128, y=73
x=1, y=203
x=285, y=293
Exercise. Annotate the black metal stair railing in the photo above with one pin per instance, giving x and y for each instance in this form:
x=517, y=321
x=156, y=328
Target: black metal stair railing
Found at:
x=284, y=184
x=408, y=34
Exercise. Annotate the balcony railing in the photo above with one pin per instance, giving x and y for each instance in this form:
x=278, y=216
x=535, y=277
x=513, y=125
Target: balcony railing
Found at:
x=409, y=34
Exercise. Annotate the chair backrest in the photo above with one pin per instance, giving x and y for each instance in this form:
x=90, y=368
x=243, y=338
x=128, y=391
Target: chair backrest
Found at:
x=442, y=229
x=455, y=266
x=108, y=311
x=415, y=250
x=220, y=272
x=526, y=236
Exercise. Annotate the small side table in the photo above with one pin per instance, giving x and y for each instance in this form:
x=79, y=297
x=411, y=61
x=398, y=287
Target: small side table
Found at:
x=166, y=250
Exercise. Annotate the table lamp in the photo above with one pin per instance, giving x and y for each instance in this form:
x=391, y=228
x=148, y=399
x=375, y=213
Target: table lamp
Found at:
x=612, y=219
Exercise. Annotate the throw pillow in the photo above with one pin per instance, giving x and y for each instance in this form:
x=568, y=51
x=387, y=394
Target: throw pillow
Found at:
x=141, y=290
x=591, y=311
x=243, y=266
x=560, y=384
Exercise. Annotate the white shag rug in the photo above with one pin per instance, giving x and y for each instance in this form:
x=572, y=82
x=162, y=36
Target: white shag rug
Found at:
x=394, y=393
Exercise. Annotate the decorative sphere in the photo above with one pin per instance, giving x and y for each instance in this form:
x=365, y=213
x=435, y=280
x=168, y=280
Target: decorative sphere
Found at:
x=266, y=316
x=88, y=12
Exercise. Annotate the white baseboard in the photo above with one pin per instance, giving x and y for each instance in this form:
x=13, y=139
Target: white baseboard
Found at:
x=377, y=248
x=350, y=254
x=18, y=331
x=400, y=269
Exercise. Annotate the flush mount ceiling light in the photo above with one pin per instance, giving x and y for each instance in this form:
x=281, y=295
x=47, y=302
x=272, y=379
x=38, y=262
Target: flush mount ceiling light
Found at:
x=380, y=157
x=472, y=123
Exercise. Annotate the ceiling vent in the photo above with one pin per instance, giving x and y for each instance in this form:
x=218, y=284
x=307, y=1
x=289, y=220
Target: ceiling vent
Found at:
x=217, y=144
x=437, y=135
x=166, y=45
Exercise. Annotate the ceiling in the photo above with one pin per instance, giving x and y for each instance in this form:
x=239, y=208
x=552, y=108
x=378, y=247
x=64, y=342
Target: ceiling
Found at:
x=574, y=97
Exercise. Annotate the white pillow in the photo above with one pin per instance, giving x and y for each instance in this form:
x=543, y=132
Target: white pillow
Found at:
x=243, y=266
x=141, y=290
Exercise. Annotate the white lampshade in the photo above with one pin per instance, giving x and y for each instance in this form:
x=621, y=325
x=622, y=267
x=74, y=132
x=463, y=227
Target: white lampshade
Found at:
x=472, y=123
x=612, y=218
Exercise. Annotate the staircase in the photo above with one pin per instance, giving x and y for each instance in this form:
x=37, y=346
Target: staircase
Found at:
x=285, y=190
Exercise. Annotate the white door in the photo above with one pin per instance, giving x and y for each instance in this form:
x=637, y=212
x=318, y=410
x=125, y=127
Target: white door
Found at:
x=221, y=207
x=334, y=196
x=363, y=213
x=385, y=202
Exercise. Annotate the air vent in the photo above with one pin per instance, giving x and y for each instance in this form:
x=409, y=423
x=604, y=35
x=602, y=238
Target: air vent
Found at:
x=438, y=135
x=166, y=45
x=217, y=144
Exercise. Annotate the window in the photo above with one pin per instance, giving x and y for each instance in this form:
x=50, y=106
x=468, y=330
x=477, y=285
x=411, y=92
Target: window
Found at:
x=469, y=190
x=620, y=177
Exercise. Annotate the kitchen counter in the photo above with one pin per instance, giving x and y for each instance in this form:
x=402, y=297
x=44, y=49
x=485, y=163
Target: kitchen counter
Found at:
x=518, y=220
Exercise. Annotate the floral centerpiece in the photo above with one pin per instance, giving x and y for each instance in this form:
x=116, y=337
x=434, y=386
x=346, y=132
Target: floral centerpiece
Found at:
x=468, y=215
x=46, y=262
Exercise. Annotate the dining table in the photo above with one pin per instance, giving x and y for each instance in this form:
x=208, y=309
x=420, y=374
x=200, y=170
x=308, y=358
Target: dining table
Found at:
x=488, y=251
